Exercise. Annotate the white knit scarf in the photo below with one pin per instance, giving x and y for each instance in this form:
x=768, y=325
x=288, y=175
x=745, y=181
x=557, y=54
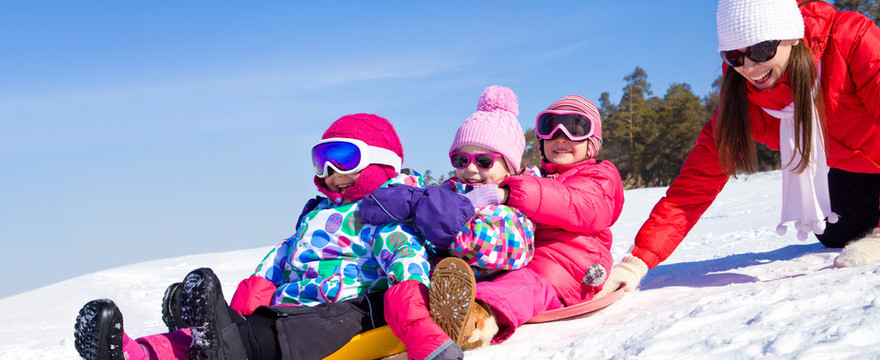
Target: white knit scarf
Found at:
x=805, y=197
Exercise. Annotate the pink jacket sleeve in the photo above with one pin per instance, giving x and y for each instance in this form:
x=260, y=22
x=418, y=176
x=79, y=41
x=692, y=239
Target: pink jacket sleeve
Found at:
x=406, y=311
x=252, y=293
x=585, y=202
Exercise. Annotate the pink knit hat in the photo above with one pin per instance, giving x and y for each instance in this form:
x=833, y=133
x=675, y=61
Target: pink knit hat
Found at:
x=494, y=126
x=375, y=131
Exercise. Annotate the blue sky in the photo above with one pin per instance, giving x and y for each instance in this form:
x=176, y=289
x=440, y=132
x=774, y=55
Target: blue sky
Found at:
x=132, y=131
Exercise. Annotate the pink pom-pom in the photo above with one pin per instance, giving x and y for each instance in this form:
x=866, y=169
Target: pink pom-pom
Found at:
x=498, y=97
x=781, y=229
x=833, y=217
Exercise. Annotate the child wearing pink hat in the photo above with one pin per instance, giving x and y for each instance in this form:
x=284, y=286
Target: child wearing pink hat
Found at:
x=574, y=203
x=315, y=290
x=491, y=237
x=487, y=148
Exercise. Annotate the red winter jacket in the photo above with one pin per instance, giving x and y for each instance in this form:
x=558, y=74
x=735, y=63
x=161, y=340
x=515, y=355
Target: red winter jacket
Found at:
x=573, y=210
x=848, y=46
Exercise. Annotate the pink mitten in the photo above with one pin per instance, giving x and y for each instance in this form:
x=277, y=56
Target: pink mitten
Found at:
x=252, y=293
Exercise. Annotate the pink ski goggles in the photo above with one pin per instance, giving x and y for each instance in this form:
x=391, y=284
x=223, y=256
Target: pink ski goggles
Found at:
x=574, y=124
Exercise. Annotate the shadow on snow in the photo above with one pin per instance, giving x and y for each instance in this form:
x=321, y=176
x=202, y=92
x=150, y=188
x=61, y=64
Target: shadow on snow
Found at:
x=707, y=273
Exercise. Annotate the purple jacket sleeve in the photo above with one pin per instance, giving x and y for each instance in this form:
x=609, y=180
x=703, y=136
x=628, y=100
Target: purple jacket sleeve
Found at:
x=437, y=213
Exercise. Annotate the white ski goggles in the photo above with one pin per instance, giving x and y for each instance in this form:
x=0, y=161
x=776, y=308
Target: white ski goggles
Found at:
x=349, y=156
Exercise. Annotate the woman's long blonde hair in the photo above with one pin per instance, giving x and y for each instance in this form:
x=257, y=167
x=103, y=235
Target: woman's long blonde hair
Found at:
x=733, y=133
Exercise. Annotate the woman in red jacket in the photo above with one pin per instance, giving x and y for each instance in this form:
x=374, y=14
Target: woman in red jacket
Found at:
x=804, y=80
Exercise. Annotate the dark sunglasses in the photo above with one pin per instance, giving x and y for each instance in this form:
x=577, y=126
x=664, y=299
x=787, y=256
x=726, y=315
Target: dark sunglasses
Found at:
x=759, y=52
x=481, y=160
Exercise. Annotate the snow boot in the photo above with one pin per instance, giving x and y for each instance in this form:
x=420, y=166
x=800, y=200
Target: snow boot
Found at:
x=215, y=334
x=860, y=252
x=451, y=298
x=171, y=313
x=480, y=328
x=99, y=335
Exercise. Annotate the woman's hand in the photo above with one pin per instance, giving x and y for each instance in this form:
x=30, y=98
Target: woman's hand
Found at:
x=630, y=271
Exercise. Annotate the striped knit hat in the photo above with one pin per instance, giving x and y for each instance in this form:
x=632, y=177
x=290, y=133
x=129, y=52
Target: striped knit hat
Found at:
x=743, y=23
x=580, y=104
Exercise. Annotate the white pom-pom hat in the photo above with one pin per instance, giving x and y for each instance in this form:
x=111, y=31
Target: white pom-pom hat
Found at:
x=494, y=126
x=743, y=23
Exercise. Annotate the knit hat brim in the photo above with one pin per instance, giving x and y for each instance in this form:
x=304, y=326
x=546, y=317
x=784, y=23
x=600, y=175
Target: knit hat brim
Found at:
x=743, y=23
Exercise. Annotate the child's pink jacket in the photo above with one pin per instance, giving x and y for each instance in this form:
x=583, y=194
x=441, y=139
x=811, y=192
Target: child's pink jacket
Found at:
x=573, y=208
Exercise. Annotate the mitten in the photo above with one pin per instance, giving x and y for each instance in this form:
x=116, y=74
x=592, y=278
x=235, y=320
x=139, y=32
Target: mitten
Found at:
x=437, y=213
x=406, y=312
x=485, y=195
x=440, y=214
x=630, y=271
x=252, y=293
x=390, y=204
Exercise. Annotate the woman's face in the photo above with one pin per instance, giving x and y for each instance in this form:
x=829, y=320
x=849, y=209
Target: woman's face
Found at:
x=474, y=175
x=764, y=75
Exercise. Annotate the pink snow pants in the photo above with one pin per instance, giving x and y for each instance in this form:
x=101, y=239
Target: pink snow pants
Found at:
x=515, y=297
x=167, y=346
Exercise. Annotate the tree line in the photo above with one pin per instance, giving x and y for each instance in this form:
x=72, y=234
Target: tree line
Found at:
x=648, y=137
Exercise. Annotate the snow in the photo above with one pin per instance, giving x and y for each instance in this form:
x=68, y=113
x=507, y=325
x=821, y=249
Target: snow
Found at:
x=734, y=289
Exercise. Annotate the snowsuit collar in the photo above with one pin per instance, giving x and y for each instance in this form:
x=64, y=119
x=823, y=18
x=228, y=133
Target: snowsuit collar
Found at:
x=551, y=168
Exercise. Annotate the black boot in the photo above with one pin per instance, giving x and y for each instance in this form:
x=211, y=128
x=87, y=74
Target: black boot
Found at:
x=215, y=334
x=98, y=331
x=171, y=303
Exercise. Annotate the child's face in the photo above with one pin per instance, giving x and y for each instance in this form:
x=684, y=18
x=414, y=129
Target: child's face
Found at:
x=474, y=175
x=339, y=183
x=560, y=150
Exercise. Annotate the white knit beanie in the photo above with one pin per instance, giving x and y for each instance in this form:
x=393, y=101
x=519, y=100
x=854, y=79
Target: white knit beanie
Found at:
x=743, y=23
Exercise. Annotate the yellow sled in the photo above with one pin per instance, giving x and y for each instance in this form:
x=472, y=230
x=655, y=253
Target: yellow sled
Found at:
x=381, y=342
x=374, y=344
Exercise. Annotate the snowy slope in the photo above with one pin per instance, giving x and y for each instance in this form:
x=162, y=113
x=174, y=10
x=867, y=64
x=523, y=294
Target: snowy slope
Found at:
x=733, y=290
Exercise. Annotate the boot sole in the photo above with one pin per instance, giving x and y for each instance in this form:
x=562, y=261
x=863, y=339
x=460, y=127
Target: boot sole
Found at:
x=206, y=313
x=452, y=292
x=171, y=308
x=199, y=316
x=98, y=331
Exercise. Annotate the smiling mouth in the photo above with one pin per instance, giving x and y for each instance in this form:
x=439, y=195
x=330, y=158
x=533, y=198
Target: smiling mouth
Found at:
x=474, y=181
x=763, y=77
x=343, y=187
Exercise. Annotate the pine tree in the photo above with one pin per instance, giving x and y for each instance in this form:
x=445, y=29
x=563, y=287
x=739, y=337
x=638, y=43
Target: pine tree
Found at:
x=679, y=117
x=629, y=121
x=532, y=154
